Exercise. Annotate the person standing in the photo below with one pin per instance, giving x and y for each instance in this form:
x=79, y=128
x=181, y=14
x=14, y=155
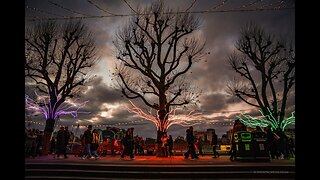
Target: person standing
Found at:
x=141, y=145
x=52, y=146
x=61, y=148
x=67, y=138
x=170, y=145
x=136, y=145
x=31, y=143
x=214, y=143
x=95, y=143
x=283, y=144
x=128, y=143
x=164, y=146
x=271, y=142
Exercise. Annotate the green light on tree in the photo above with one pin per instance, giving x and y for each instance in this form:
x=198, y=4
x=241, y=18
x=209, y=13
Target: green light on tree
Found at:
x=266, y=120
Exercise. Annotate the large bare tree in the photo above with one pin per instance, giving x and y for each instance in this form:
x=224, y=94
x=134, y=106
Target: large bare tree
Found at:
x=154, y=52
x=267, y=68
x=57, y=60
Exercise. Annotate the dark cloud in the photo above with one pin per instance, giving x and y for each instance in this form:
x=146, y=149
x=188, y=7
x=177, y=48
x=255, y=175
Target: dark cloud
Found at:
x=213, y=102
x=232, y=99
x=100, y=92
x=222, y=31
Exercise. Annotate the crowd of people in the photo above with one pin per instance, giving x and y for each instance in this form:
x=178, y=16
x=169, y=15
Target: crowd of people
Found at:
x=277, y=143
x=33, y=143
x=58, y=145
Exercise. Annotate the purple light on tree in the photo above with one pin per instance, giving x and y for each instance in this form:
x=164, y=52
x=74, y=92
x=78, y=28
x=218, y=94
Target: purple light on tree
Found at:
x=42, y=105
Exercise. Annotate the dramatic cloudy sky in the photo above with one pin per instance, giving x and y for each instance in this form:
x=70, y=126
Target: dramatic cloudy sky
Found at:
x=220, y=30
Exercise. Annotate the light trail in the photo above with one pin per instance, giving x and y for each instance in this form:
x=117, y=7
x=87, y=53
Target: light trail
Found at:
x=266, y=120
x=44, y=106
x=171, y=118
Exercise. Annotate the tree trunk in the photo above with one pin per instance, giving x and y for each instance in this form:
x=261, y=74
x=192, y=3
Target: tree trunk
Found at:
x=160, y=132
x=159, y=152
x=47, y=135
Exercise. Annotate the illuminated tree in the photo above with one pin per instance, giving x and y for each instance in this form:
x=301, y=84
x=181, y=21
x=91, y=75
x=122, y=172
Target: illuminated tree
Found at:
x=267, y=120
x=154, y=53
x=43, y=106
x=267, y=69
x=57, y=61
x=192, y=118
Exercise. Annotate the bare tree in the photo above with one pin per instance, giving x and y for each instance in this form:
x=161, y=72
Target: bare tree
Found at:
x=267, y=68
x=57, y=59
x=154, y=53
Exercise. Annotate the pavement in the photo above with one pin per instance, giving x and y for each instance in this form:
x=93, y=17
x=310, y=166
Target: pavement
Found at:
x=151, y=167
x=153, y=160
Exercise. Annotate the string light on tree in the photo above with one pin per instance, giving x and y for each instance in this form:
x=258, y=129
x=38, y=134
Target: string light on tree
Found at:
x=189, y=119
x=43, y=106
x=266, y=120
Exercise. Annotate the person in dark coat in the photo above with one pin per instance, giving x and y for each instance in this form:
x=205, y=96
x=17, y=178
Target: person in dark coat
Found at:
x=87, y=139
x=60, y=146
x=31, y=144
x=170, y=145
x=283, y=144
x=191, y=147
x=136, y=145
x=128, y=143
x=214, y=143
x=67, y=138
x=271, y=143
x=52, y=145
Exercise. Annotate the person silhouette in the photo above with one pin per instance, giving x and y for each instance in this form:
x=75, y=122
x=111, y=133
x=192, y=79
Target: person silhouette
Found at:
x=191, y=146
x=214, y=143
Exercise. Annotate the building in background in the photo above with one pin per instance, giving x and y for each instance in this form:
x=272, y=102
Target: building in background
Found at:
x=206, y=136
